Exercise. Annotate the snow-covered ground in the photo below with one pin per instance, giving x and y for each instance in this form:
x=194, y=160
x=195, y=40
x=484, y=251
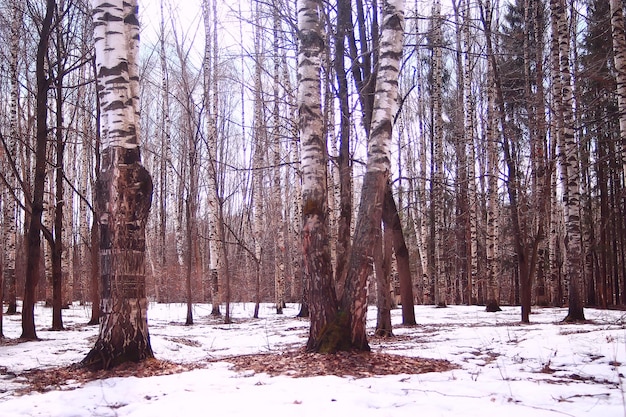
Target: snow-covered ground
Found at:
x=505, y=369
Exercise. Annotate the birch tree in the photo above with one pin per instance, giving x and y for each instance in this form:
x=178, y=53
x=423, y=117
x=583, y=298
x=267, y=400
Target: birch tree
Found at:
x=347, y=330
x=279, y=245
x=495, y=116
x=437, y=181
x=219, y=265
x=257, y=160
x=124, y=190
x=569, y=147
x=9, y=207
x=619, y=57
x=316, y=263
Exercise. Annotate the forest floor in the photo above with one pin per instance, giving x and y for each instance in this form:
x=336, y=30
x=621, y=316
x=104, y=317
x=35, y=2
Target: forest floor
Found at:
x=458, y=360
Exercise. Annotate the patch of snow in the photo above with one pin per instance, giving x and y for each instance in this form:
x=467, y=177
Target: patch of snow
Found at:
x=506, y=369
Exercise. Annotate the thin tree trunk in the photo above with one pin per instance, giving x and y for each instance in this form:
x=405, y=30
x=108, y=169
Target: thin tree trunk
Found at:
x=382, y=267
x=164, y=163
x=94, y=247
x=344, y=160
x=56, y=243
x=33, y=248
x=257, y=162
x=189, y=261
x=493, y=212
x=9, y=207
x=437, y=196
x=279, y=243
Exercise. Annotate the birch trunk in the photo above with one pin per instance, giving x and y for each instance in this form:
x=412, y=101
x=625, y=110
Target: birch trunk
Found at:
x=257, y=162
x=317, y=263
x=619, y=57
x=164, y=163
x=218, y=266
x=124, y=190
x=573, y=241
x=9, y=207
x=556, y=127
x=437, y=196
x=469, y=119
x=279, y=243
x=493, y=211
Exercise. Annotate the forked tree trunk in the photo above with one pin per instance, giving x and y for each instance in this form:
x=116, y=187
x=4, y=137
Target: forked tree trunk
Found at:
x=33, y=247
x=393, y=225
x=382, y=267
x=124, y=190
x=347, y=331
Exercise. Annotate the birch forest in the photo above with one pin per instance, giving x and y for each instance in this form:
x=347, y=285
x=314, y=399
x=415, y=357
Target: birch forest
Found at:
x=507, y=174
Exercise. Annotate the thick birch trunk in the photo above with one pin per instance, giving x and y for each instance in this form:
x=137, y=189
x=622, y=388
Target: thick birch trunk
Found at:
x=124, y=190
x=317, y=263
